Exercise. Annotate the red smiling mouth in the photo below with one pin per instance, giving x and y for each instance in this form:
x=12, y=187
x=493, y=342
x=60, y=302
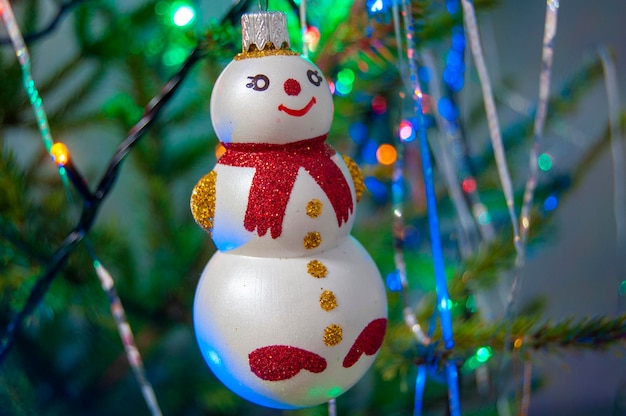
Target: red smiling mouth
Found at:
x=300, y=112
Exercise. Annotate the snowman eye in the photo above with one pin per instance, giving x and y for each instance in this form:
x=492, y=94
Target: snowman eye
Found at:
x=314, y=77
x=258, y=82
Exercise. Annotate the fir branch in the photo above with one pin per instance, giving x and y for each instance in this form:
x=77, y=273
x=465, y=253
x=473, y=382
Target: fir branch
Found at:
x=92, y=205
x=589, y=333
x=526, y=336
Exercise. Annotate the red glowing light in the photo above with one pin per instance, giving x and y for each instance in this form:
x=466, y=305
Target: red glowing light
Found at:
x=469, y=185
x=379, y=104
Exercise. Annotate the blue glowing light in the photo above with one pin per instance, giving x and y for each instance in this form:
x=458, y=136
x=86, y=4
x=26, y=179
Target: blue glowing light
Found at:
x=342, y=89
x=423, y=73
x=358, y=132
x=550, y=203
x=393, y=281
x=376, y=7
x=377, y=188
x=369, y=152
x=447, y=109
x=453, y=6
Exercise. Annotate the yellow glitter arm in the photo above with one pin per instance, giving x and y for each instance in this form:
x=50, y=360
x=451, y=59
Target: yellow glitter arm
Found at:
x=202, y=201
x=357, y=176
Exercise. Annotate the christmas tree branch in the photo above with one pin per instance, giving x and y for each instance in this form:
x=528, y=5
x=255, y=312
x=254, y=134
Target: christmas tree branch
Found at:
x=526, y=336
x=92, y=204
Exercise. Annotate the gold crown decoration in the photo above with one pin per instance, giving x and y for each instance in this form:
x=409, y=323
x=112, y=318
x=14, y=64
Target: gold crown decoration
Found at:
x=264, y=34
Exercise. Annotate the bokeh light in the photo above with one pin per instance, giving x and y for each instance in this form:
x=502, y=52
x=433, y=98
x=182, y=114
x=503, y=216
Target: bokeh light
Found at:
x=544, y=161
x=174, y=56
x=550, y=203
x=386, y=154
x=469, y=185
x=378, y=190
x=483, y=354
x=406, y=132
x=379, y=104
x=183, y=15
x=312, y=37
x=345, y=81
x=393, y=281
x=358, y=132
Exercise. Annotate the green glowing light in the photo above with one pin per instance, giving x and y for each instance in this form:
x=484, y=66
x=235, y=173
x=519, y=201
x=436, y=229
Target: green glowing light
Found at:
x=343, y=89
x=346, y=76
x=183, y=15
x=483, y=354
x=544, y=161
x=471, y=365
x=174, y=56
x=622, y=288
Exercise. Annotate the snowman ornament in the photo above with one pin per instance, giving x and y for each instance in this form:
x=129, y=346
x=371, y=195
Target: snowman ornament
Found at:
x=290, y=311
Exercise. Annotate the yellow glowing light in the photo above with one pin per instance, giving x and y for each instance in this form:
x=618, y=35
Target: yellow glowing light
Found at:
x=386, y=154
x=517, y=343
x=59, y=153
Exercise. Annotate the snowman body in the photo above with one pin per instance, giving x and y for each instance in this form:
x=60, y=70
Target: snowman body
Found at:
x=291, y=310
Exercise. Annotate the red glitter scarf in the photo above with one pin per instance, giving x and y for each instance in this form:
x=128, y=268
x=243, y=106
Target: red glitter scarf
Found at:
x=277, y=166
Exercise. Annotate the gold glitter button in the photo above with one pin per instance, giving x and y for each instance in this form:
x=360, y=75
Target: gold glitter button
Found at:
x=316, y=269
x=357, y=176
x=203, y=201
x=312, y=239
x=328, y=301
x=333, y=334
x=314, y=208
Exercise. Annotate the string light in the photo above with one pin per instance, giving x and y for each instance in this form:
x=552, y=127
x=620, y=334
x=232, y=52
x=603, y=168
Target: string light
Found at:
x=59, y=154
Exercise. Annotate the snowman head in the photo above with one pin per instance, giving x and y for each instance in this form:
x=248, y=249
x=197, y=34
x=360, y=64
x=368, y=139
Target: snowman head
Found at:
x=270, y=96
